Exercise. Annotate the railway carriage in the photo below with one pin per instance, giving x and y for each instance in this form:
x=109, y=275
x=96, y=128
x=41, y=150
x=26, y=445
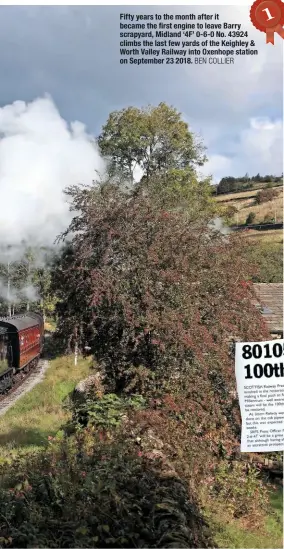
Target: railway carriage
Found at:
x=21, y=344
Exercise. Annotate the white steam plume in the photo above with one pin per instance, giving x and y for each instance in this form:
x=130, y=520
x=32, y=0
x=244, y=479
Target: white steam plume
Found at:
x=40, y=155
x=30, y=292
x=12, y=297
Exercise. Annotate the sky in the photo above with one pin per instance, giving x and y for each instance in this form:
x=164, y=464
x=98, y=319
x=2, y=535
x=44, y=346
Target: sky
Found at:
x=72, y=54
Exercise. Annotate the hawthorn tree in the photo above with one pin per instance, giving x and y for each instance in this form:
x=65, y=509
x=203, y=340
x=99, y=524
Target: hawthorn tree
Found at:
x=155, y=295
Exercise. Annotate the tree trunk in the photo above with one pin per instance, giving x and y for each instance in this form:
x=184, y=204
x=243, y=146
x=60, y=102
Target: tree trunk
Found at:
x=76, y=354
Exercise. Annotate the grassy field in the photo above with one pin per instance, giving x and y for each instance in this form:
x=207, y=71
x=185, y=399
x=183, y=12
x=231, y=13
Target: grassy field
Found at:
x=235, y=196
x=245, y=203
x=39, y=413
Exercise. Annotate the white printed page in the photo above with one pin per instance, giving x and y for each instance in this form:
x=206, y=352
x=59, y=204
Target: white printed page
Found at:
x=260, y=384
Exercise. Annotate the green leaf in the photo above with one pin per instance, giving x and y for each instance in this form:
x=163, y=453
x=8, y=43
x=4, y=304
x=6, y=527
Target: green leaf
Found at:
x=82, y=530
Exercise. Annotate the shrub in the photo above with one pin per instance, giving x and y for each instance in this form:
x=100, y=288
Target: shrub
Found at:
x=153, y=293
x=105, y=412
x=231, y=211
x=250, y=218
x=268, y=218
x=266, y=195
x=85, y=493
x=112, y=488
x=239, y=485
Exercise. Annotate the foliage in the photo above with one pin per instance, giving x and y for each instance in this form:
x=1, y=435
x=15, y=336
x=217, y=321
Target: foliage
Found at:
x=236, y=483
x=265, y=195
x=125, y=493
x=155, y=139
x=181, y=191
x=265, y=533
x=120, y=500
x=135, y=286
x=42, y=282
x=268, y=218
x=230, y=211
x=104, y=413
x=108, y=486
x=250, y=218
x=235, y=184
x=25, y=279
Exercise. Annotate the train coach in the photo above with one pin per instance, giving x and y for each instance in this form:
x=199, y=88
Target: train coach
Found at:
x=21, y=344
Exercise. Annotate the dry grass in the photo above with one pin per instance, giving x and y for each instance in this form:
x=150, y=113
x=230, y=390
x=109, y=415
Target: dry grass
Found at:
x=231, y=197
x=272, y=236
x=272, y=209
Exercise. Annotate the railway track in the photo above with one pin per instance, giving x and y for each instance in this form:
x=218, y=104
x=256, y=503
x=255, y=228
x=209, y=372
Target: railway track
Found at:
x=23, y=384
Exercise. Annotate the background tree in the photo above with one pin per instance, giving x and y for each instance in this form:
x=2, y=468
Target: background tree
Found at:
x=155, y=139
x=181, y=190
x=234, y=184
x=25, y=280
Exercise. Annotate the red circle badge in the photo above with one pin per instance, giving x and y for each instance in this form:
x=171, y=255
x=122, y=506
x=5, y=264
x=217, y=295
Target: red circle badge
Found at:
x=268, y=16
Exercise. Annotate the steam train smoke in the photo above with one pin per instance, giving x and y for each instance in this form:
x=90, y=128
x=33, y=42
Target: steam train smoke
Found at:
x=40, y=155
x=29, y=292
x=11, y=297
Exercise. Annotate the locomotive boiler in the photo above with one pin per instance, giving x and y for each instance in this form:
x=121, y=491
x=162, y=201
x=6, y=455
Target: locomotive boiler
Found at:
x=21, y=344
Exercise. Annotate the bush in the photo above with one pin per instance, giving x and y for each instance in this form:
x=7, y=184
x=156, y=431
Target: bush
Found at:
x=85, y=493
x=268, y=218
x=266, y=195
x=153, y=293
x=250, y=218
x=113, y=488
x=156, y=294
x=105, y=412
x=231, y=211
x=240, y=487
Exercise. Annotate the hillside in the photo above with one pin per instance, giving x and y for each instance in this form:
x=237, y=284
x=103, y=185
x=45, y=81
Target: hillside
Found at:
x=236, y=207
x=235, y=185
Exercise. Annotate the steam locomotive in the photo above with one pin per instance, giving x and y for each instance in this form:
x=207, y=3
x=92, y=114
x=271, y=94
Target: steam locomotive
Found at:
x=21, y=344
